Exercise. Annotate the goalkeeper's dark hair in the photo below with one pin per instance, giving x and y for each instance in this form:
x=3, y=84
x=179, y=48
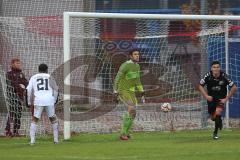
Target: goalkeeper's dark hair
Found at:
x=130, y=52
x=43, y=68
x=215, y=62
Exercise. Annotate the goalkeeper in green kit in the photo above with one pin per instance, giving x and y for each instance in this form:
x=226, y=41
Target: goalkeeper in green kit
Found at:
x=127, y=81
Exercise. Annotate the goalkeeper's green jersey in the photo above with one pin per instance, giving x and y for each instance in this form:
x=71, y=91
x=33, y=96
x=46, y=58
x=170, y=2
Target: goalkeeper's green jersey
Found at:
x=128, y=77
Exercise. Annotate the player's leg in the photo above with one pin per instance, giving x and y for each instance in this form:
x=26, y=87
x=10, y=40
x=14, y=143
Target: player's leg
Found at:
x=128, y=99
x=9, y=120
x=126, y=124
x=10, y=116
x=218, y=121
x=36, y=116
x=54, y=121
x=17, y=119
x=215, y=132
x=212, y=113
x=218, y=118
x=132, y=113
x=8, y=126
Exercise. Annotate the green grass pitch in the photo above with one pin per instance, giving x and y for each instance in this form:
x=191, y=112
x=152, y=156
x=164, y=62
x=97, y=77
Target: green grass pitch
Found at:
x=181, y=145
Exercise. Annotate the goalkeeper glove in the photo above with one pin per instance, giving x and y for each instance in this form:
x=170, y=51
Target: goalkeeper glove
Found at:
x=115, y=96
x=143, y=97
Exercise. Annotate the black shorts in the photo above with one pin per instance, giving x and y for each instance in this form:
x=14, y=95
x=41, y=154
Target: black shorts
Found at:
x=213, y=105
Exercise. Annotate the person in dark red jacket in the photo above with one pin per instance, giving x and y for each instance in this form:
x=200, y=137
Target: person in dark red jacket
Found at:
x=16, y=92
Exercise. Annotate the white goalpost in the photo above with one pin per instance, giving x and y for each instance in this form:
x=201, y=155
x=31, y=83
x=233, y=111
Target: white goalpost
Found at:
x=95, y=44
x=66, y=98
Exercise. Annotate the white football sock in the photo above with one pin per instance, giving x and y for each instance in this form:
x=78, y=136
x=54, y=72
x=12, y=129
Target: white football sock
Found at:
x=55, y=131
x=33, y=128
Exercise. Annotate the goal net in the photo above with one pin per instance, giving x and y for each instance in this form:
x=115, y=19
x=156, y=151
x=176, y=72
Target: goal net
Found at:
x=31, y=30
x=175, y=53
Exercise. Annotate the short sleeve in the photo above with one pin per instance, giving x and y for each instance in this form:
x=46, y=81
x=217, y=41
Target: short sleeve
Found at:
x=230, y=83
x=203, y=81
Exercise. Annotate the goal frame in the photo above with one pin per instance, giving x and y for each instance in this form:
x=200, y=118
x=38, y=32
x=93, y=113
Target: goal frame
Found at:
x=67, y=55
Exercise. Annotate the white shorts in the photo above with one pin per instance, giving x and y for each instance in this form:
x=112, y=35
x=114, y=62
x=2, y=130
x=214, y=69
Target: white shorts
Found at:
x=38, y=111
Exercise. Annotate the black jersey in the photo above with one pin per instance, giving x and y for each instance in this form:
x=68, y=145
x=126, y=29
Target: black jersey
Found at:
x=216, y=87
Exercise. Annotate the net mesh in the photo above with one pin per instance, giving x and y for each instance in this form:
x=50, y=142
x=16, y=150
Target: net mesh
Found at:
x=31, y=31
x=174, y=56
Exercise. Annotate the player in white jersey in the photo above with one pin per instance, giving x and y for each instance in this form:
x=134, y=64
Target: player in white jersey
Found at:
x=43, y=91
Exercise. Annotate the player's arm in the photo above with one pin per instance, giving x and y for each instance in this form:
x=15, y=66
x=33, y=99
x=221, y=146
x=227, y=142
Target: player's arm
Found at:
x=120, y=75
x=201, y=88
x=141, y=90
x=23, y=84
x=204, y=93
x=233, y=89
x=8, y=78
x=55, y=88
x=140, y=86
x=9, y=83
x=24, y=81
x=139, y=83
x=29, y=93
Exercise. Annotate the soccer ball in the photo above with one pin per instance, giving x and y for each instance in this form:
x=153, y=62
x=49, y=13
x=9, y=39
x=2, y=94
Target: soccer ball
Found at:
x=166, y=107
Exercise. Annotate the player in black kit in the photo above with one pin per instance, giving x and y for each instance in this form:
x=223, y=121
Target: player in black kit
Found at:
x=216, y=95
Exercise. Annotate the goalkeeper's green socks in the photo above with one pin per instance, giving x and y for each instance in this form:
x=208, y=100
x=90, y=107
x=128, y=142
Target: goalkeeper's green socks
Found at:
x=127, y=122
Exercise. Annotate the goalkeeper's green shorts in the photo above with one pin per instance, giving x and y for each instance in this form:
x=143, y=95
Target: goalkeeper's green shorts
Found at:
x=128, y=98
